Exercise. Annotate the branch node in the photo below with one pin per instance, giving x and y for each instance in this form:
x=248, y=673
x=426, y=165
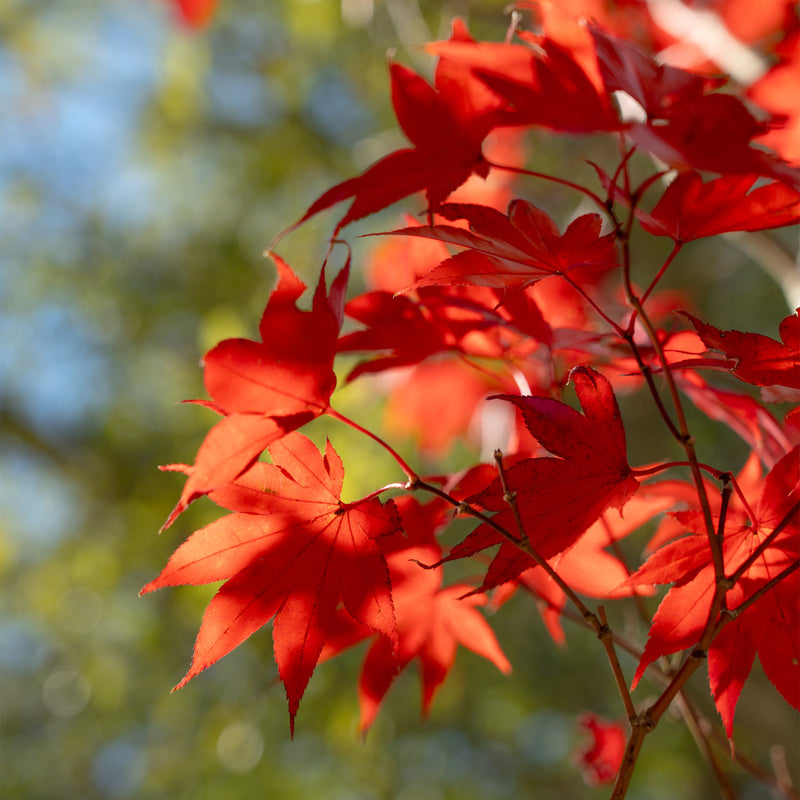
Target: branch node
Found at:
x=643, y=720
x=698, y=655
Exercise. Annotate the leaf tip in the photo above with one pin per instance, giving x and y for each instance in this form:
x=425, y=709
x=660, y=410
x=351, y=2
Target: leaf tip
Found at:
x=174, y=514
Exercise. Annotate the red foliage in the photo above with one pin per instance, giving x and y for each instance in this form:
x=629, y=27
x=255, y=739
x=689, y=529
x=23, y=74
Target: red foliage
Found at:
x=266, y=389
x=514, y=250
x=600, y=759
x=431, y=620
x=293, y=551
x=758, y=359
x=558, y=498
x=690, y=209
x=515, y=306
x=196, y=13
x=771, y=625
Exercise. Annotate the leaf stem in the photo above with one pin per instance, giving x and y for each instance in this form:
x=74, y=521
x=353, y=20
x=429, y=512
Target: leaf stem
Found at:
x=465, y=508
x=373, y=495
x=670, y=258
x=509, y=496
x=561, y=181
x=617, y=329
x=607, y=640
x=410, y=473
x=640, y=473
x=651, y=385
x=741, y=496
x=727, y=491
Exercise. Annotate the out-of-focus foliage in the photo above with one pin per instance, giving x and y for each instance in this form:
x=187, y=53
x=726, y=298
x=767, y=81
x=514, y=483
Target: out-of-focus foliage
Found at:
x=144, y=169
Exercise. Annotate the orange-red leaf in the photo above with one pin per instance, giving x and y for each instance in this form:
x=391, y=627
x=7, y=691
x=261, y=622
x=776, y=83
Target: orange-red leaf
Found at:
x=513, y=249
x=546, y=86
x=558, y=498
x=291, y=551
x=269, y=387
x=196, y=12
x=446, y=124
x=770, y=626
x=759, y=359
x=431, y=620
x=601, y=758
x=690, y=209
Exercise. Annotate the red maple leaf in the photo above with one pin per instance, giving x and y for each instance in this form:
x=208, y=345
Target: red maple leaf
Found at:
x=408, y=331
x=558, y=498
x=291, y=551
x=405, y=330
x=690, y=209
x=740, y=413
x=446, y=124
x=770, y=627
x=545, y=83
x=591, y=566
x=656, y=87
x=687, y=125
x=267, y=388
x=714, y=133
x=431, y=620
x=196, y=12
x=600, y=760
x=758, y=359
x=777, y=91
x=514, y=249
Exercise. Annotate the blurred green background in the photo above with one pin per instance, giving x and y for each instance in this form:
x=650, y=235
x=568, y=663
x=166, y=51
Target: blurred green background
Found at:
x=144, y=169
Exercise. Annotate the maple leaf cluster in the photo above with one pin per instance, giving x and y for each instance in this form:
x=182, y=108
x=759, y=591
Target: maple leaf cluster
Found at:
x=490, y=309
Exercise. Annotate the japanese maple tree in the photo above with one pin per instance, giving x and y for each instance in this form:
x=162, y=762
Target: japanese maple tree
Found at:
x=489, y=303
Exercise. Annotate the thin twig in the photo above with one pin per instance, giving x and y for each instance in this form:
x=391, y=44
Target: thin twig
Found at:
x=522, y=543
x=647, y=374
x=695, y=725
x=727, y=491
x=604, y=633
x=509, y=496
x=607, y=640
